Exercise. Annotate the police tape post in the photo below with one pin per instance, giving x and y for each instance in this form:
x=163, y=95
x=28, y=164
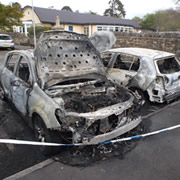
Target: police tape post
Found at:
x=23, y=142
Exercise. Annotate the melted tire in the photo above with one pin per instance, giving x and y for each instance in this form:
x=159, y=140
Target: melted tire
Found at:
x=42, y=134
x=2, y=95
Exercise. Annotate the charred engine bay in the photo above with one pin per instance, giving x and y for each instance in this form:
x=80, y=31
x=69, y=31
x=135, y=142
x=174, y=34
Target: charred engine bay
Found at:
x=85, y=96
x=91, y=97
x=94, y=97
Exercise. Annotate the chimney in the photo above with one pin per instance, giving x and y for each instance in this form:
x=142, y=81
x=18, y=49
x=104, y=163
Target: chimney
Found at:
x=58, y=26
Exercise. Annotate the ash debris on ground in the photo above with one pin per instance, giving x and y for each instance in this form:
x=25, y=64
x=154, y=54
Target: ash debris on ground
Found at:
x=87, y=155
x=73, y=156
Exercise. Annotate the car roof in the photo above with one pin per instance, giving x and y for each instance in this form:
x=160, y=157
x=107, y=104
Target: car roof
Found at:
x=142, y=52
x=4, y=35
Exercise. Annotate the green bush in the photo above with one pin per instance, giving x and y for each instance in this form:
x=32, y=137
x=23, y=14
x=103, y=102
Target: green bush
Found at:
x=39, y=30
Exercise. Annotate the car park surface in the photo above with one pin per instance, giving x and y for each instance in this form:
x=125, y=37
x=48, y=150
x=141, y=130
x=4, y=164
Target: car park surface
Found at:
x=155, y=157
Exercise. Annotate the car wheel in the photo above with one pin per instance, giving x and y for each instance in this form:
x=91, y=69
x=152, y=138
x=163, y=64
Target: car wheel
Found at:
x=2, y=95
x=141, y=96
x=42, y=134
x=12, y=48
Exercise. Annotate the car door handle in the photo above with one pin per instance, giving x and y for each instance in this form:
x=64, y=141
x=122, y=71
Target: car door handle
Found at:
x=15, y=83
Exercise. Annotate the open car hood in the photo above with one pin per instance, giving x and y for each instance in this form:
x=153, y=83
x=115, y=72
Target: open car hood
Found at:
x=62, y=55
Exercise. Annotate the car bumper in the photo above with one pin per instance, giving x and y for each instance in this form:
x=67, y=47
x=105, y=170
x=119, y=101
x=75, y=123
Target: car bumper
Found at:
x=102, y=114
x=171, y=94
x=7, y=45
x=115, y=133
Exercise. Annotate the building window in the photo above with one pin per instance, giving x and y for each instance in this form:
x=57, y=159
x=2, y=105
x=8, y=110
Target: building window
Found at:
x=111, y=28
x=99, y=28
x=115, y=28
x=70, y=28
x=86, y=30
x=28, y=13
x=105, y=28
x=122, y=29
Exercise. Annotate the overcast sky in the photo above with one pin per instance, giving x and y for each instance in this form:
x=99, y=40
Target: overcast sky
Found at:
x=132, y=7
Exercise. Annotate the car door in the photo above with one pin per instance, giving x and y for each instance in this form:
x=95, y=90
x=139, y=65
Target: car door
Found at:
x=20, y=85
x=7, y=75
x=122, y=68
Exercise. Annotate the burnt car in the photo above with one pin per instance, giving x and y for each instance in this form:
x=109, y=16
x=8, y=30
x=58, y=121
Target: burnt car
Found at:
x=62, y=91
x=149, y=73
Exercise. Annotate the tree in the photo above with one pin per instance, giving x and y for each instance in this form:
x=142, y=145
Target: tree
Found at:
x=148, y=21
x=39, y=30
x=10, y=16
x=168, y=20
x=18, y=5
x=92, y=13
x=165, y=20
x=177, y=2
x=137, y=19
x=116, y=9
x=66, y=8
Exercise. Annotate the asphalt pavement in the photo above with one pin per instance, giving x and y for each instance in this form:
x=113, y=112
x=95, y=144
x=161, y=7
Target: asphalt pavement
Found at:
x=155, y=157
x=14, y=158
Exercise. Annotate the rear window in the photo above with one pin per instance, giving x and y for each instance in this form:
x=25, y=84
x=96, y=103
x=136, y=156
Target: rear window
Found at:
x=168, y=66
x=2, y=37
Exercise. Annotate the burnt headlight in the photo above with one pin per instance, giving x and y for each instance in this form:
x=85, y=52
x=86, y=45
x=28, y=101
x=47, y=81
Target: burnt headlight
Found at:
x=75, y=122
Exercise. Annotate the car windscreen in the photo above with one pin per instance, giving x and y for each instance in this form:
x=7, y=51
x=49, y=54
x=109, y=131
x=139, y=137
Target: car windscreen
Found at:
x=168, y=66
x=5, y=37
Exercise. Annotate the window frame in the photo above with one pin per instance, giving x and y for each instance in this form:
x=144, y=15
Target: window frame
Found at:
x=161, y=59
x=15, y=64
x=70, y=28
x=114, y=59
x=17, y=69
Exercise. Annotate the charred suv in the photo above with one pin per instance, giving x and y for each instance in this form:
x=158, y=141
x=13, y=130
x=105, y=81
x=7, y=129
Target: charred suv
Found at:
x=62, y=88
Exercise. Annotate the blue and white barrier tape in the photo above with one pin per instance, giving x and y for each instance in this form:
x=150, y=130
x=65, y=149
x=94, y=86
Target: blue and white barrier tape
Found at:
x=22, y=142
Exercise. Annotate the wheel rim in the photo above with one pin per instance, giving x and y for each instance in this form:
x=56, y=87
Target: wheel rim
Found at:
x=140, y=97
x=39, y=132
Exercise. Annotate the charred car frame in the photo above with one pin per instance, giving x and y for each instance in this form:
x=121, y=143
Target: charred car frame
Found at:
x=62, y=91
x=149, y=73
